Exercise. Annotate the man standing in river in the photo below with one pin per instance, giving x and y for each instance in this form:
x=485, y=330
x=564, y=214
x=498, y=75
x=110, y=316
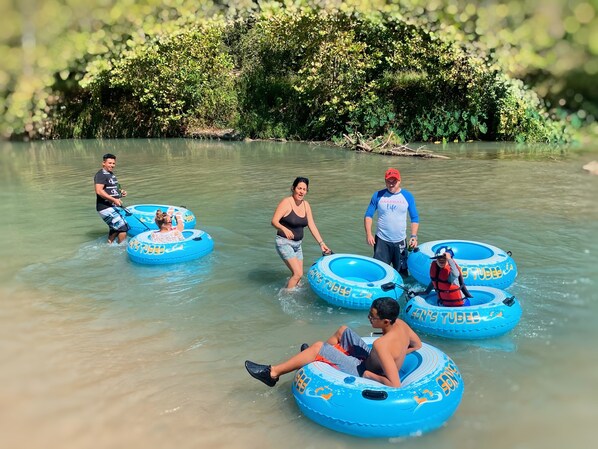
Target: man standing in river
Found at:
x=108, y=196
x=392, y=205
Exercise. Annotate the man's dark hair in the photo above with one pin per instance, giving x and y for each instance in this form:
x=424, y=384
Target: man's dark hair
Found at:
x=387, y=308
x=108, y=156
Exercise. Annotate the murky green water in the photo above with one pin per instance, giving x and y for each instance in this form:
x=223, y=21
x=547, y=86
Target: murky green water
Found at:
x=101, y=353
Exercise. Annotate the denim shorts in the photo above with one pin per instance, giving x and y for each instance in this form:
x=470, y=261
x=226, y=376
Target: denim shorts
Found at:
x=114, y=220
x=288, y=249
x=348, y=356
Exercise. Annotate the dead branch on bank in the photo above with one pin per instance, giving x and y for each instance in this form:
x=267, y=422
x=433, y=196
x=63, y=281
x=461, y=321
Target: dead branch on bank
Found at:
x=388, y=148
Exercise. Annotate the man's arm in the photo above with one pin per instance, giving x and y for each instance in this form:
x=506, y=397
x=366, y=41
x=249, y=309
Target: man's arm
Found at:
x=428, y=289
x=369, y=237
x=414, y=218
x=415, y=342
x=388, y=363
x=454, y=269
x=368, y=218
x=102, y=193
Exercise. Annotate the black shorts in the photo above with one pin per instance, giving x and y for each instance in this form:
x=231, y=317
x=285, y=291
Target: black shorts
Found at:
x=394, y=254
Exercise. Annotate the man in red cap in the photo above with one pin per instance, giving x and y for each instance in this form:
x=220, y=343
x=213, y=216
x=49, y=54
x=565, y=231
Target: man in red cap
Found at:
x=392, y=204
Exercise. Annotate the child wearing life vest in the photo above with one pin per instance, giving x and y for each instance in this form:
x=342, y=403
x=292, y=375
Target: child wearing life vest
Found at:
x=447, y=280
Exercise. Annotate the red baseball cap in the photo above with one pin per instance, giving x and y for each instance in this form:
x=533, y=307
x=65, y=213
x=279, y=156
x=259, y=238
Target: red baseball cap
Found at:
x=392, y=173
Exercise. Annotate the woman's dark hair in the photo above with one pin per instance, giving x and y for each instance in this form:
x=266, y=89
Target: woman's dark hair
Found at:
x=299, y=179
x=387, y=308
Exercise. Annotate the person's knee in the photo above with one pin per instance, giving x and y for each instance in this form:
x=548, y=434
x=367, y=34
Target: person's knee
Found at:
x=340, y=331
x=317, y=346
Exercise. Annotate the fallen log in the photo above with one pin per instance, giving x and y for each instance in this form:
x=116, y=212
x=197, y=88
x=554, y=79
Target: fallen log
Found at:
x=357, y=143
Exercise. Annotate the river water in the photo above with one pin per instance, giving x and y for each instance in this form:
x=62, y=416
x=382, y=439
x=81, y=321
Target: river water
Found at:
x=100, y=353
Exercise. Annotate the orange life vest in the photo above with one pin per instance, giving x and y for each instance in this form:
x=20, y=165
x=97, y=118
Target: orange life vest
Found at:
x=449, y=295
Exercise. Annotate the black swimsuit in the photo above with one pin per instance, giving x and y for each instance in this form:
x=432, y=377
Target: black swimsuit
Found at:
x=295, y=224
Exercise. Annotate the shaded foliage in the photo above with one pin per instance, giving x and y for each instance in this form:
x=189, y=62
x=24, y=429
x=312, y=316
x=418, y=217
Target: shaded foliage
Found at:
x=159, y=88
x=283, y=72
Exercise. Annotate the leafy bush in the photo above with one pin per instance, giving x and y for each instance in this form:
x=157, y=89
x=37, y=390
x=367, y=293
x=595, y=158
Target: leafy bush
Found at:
x=293, y=73
x=162, y=87
x=319, y=73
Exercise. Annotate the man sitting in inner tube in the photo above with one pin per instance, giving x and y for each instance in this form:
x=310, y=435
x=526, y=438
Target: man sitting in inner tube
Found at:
x=447, y=280
x=349, y=353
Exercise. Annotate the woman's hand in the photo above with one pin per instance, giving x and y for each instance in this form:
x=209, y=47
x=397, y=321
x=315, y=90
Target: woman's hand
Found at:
x=180, y=224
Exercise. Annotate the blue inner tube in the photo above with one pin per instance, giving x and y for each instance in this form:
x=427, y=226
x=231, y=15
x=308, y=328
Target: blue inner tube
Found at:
x=482, y=264
x=140, y=217
x=353, y=281
x=492, y=312
x=431, y=390
x=142, y=249
x=357, y=270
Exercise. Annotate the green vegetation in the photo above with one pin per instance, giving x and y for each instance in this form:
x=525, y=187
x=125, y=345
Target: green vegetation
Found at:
x=150, y=89
x=423, y=70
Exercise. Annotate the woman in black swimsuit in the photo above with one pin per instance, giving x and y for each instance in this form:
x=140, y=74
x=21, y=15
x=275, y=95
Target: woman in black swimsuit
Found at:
x=290, y=217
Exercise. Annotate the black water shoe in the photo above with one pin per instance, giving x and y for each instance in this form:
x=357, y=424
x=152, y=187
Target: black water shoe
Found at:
x=260, y=372
x=304, y=346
